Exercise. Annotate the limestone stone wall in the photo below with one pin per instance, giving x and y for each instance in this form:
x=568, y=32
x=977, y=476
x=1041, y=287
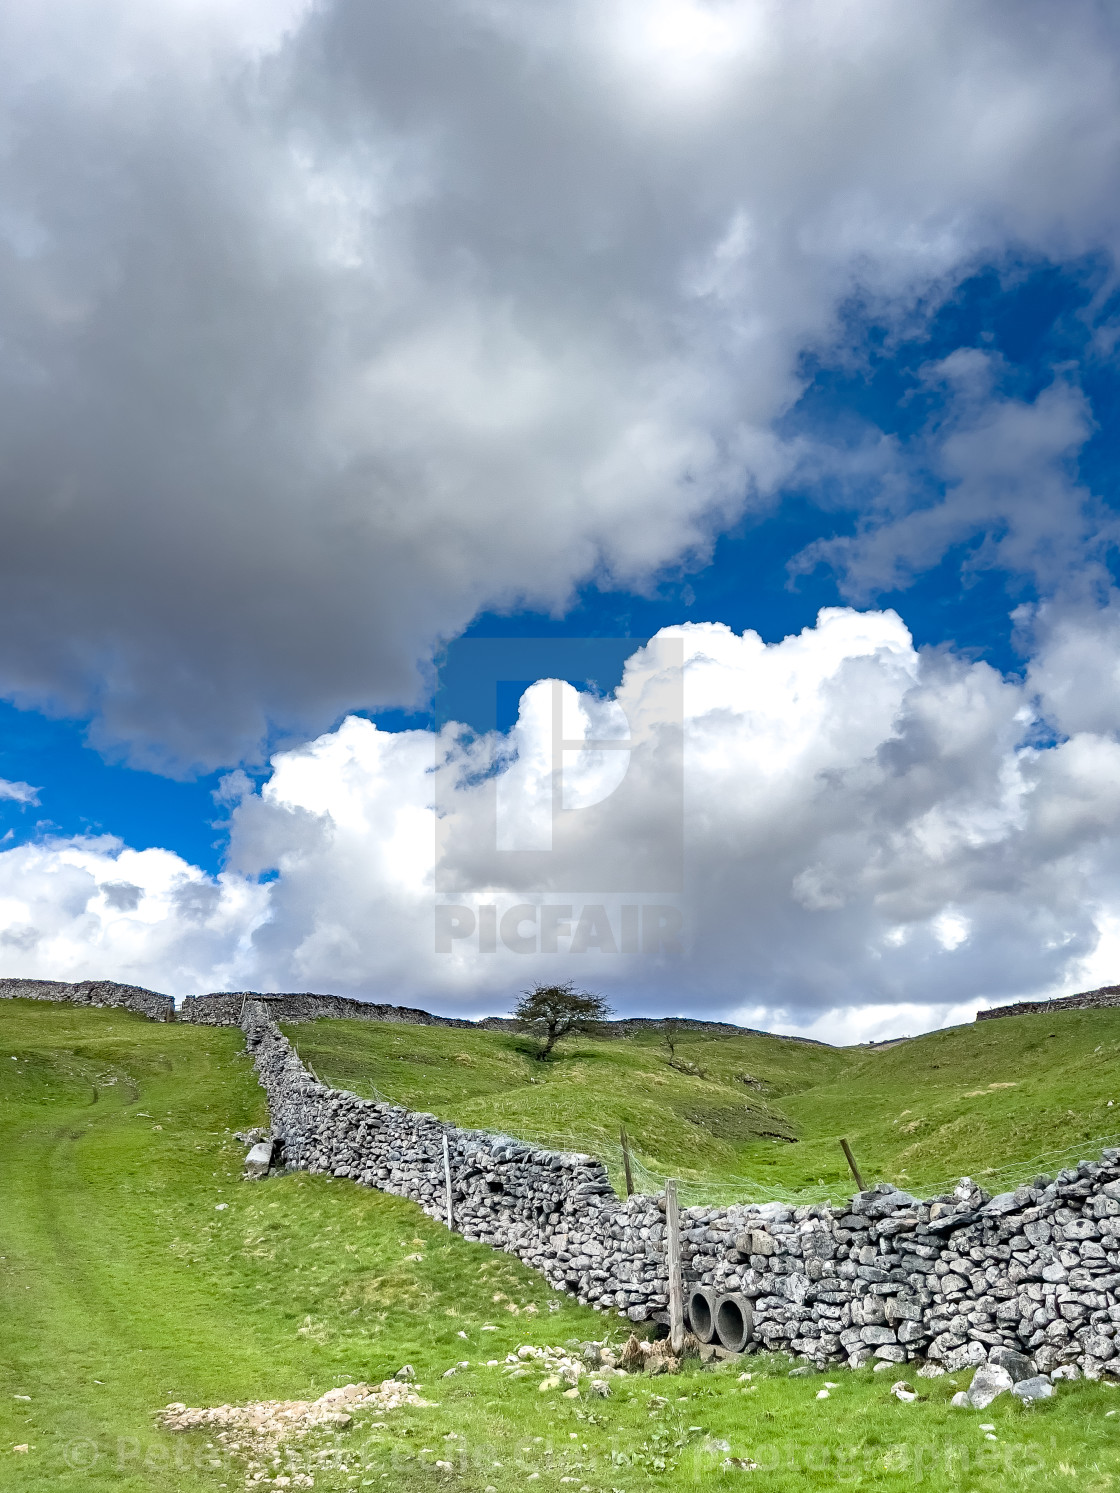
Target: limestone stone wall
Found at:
x=958, y=1279
x=92, y=993
x=224, y=1009
x=1088, y=1000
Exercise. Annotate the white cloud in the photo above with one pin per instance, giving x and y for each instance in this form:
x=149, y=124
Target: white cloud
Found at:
x=72, y=909
x=875, y=842
x=326, y=326
x=19, y=793
x=1075, y=668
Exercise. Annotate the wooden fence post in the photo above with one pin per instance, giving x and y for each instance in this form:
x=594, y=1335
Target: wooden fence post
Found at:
x=447, y=1180
x=626, y=1160
x=673, y=1260
x=852, y=1163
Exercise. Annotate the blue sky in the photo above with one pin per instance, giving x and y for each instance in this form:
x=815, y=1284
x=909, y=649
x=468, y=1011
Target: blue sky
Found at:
x=1039, y=319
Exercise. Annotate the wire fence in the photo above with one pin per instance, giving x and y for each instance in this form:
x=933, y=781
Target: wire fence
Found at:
x=752, y=1189
x=695, y=1191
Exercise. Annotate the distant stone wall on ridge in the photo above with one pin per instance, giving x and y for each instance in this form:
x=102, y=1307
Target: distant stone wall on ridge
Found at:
x=1088, y=1000
x=92, y=993
x=224, y=1009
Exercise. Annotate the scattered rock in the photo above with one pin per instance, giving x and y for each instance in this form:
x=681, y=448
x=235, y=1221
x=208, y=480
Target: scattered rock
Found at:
x=259, y=1160
x=902, y=1391
x=260, y=1426
x=1036, y=1388
x=988, y=1382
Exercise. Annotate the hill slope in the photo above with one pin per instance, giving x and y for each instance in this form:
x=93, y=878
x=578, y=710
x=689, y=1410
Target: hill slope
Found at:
x=135, y=1268
x=1000, y=1096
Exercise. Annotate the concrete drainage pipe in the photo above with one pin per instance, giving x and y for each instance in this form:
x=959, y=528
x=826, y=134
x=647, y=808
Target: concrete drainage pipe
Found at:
x=702, y=1313
x=734, y=1321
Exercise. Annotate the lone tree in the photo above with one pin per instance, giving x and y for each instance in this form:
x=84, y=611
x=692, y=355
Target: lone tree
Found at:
x=671, y=1035
x=552, y=1011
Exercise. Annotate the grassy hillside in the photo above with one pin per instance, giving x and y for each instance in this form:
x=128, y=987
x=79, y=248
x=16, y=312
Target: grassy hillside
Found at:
x=125, y=1284
x=995, y=1100
x=135, y=1269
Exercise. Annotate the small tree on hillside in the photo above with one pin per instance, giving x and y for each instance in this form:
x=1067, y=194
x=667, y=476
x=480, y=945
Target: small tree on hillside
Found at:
x=552, y=1011
x=670, y=1036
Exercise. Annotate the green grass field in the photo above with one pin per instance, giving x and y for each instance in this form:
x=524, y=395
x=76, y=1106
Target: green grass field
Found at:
x=125, y=1283
x=997, y=1100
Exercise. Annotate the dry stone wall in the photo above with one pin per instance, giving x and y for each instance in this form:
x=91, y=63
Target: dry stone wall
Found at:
x=1088, y=1000
x=961, y=1279
x=92, y=993
x=224, y=1009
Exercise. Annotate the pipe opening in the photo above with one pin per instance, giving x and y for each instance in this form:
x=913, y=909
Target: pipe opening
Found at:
x=700, y=1315
x=734, y=1322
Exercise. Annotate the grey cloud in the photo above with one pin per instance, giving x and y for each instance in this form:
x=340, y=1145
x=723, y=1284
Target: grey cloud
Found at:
x=196, y=901
x=121, y=895
x=21, y=937
x=1075, y=668
x=316, y=344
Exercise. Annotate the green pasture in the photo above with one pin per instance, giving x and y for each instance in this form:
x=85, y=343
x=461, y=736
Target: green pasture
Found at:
x=136, y=1268
x=997, y=1100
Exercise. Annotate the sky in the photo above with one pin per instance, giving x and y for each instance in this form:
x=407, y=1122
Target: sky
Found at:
x=613, y=491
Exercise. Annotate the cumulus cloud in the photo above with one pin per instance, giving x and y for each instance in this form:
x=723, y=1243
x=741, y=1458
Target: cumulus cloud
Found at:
x=1075, y=667
x=876, y=839
x=70, y=908
x=326, y=326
